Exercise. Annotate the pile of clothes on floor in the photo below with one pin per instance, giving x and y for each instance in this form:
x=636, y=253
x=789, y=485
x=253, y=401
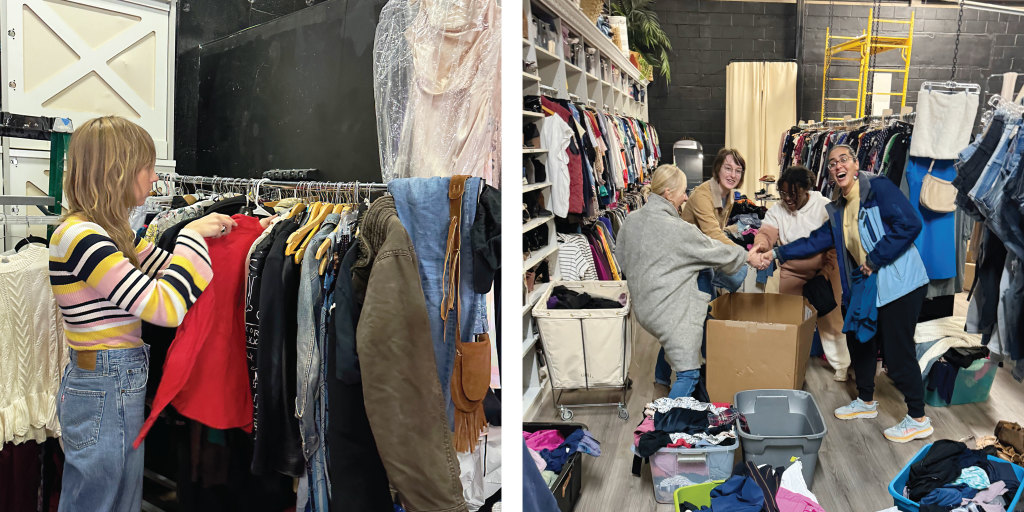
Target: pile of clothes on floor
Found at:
x=683, y=423
x=753, y=488
x=952, y=477
x=551, y=450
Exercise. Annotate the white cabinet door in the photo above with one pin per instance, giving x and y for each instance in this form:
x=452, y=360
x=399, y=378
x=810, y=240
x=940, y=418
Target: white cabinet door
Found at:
x=86, y=58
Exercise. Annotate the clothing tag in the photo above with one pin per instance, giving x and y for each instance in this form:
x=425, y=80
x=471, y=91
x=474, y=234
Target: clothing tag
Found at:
x=87, y=360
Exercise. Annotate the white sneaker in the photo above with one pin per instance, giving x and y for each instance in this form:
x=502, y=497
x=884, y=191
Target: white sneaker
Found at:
x=909, y=429
x=857, y=409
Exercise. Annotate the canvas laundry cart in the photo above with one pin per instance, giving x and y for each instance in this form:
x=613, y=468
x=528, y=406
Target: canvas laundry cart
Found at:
x=587, y=349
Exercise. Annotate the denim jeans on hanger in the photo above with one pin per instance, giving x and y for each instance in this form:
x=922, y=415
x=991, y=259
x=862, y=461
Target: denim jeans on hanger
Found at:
x=972, y=160
x=995, y=165
x=1007, y=220
x=101, y=411
x=422, y=205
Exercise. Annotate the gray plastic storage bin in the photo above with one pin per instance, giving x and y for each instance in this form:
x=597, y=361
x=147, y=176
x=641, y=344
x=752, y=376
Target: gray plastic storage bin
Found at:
x=784, y=424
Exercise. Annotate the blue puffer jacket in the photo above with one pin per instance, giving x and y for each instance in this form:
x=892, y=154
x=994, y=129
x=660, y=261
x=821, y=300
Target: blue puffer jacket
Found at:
x=892, y=254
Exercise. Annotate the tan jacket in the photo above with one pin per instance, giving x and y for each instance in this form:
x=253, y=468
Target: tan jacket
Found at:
x=706, y=210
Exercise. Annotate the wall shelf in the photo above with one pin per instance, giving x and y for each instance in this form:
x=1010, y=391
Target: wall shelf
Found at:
x=535, y=223
x=536, y=186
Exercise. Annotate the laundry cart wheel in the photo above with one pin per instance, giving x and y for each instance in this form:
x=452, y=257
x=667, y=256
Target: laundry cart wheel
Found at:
x=566, y=414
x=629, y=383
x=623, y=413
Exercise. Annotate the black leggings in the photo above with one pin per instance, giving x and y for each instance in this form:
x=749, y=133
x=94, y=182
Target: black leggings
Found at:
x=897, y=321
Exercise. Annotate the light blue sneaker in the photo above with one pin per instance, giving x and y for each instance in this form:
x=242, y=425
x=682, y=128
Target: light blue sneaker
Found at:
x=909, y=429
x=857, y=409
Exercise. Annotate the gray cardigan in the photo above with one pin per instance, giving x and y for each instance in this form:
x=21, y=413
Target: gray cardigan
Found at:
x=660, y=255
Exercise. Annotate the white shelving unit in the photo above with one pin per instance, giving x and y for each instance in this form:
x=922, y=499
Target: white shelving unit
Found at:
x=605, y=84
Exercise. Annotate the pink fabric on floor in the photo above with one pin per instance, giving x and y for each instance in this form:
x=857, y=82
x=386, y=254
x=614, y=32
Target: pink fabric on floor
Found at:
x=645, y=426
x=538, y=460
x=543, y=440
x=790, y=501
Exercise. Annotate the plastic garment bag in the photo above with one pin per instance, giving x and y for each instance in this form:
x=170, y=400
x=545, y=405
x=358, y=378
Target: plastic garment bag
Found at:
x=436, y=88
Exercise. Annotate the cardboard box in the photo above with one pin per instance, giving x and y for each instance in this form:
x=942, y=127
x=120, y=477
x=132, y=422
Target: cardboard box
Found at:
x=758, y=341
x=968, y=276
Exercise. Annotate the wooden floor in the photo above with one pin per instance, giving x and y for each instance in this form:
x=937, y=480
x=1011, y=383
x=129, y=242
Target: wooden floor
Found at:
x=855, y=464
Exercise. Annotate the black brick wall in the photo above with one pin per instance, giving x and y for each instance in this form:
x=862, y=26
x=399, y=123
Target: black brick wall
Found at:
x=989, y=43
x=707, y=34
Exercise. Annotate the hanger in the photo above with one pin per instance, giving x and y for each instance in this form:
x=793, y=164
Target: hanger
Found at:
x=325, y=210
x=951, y=87
x=317, y=214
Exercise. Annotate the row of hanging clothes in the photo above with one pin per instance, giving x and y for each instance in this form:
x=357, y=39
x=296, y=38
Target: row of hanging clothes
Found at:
x=340, y=359
x=343, y=327
x=881, y=143
x=586, y=249
x=592, y=156
x=989, y=188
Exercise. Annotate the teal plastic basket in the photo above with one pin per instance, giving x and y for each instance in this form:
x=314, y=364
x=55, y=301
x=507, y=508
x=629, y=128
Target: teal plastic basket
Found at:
x=971, y=386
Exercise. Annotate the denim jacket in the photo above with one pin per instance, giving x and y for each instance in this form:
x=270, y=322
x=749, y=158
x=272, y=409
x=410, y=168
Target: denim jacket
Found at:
x=900, y=226
x=308, y=374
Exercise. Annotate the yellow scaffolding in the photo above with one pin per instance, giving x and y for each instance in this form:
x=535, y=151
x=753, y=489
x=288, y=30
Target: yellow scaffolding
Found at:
x=866, y=45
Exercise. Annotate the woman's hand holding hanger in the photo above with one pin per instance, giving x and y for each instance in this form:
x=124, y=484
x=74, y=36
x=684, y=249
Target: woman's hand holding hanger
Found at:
x=214, y=225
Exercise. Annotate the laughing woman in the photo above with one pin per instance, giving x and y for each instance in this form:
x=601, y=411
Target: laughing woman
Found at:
x=872, y=226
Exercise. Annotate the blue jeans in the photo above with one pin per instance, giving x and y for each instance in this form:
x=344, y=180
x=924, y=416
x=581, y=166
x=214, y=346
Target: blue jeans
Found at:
x=685, y=383
x=101, y=412
x=422, y=205
x=992, y=170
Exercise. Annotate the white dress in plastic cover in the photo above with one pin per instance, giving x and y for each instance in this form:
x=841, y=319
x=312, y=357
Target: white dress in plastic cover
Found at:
x=436, y=86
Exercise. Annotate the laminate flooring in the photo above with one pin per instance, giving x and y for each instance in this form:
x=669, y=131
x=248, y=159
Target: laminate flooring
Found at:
x=855, y=463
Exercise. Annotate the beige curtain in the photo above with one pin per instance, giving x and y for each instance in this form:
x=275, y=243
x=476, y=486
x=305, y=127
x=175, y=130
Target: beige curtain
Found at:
x=760, y=104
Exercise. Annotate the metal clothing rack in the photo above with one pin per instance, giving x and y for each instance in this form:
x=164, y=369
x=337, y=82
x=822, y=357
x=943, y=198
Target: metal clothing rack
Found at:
x=298, y=186
x=57, y=130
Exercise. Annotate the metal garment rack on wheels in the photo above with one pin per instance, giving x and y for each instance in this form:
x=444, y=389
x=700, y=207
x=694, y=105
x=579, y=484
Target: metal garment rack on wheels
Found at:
x=565, y=410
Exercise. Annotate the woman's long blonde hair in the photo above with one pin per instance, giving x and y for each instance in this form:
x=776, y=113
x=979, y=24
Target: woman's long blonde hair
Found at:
x=104, y=157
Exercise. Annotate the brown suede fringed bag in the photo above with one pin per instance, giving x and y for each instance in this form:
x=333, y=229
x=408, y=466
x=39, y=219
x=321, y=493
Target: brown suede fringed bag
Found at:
x=472, y=373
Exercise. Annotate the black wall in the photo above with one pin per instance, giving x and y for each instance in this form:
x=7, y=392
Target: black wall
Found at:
x=707, y=34
x=989, y=43
x=200, y=22
x=293, y=93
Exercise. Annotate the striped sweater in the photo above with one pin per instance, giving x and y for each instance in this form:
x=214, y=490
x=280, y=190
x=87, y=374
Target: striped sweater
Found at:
x=104, y=298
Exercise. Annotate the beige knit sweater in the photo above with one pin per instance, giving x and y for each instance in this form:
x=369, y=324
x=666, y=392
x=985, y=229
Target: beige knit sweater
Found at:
x=32, y=348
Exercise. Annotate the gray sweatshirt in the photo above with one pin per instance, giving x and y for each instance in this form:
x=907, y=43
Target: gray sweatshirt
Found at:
x=661, y=255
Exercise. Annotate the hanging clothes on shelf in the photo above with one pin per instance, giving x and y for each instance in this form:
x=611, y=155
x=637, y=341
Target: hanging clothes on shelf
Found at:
x=604, y=155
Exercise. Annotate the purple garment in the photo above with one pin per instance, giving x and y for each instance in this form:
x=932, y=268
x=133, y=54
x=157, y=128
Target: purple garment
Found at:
x=602, y=270
x=607, y=223
x=597, y=248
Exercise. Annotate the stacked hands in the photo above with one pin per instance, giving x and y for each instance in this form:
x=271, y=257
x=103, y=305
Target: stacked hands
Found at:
x=759, y=256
